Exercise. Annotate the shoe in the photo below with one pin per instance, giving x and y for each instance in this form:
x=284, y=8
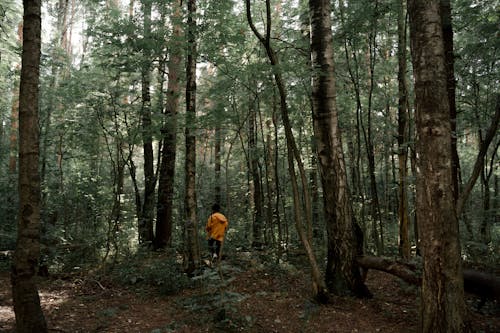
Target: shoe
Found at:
x=214, y=256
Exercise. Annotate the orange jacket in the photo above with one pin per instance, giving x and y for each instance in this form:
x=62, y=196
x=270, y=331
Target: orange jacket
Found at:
x=216, y=226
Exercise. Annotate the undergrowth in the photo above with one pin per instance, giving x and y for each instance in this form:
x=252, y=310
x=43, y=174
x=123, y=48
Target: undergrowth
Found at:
x=159, y=270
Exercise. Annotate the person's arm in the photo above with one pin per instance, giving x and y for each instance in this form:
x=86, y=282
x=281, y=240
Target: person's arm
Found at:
x=208, y=227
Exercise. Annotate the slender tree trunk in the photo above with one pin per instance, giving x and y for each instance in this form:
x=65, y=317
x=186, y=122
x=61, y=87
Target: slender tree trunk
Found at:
x=282, y=240
x=319, y=288
x=253, y=161
x=29, y=315
x=445, y=11
x=358, y=187
x=377, y=232
x=479, y=163
x=115, y=217
x=164, y=223
x=442, y=298
x=146, y=220
x=404, y=220
x=192, y=258
x=342, y=273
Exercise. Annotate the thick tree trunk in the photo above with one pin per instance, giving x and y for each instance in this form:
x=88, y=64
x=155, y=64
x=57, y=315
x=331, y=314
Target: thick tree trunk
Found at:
x=192, y=258
x=29, y=315
x=342, y=272
x=442, y=300
x=164, y=210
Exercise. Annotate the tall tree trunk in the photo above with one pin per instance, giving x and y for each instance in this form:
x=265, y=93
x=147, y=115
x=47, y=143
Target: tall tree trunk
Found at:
x=342, y=273
x=146, y=219
x=445, y=11
x=319, y=288
x=253, y=161
x=192, y=258
x=29, y=315
x=164, y=212
x=274, y=157
x=356, y=149
x=404, y=220
x=377, y=232
x=442, y=299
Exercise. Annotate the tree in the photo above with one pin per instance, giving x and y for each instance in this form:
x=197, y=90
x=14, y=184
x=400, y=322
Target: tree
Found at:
x=191, y=230
x=253, y=167
x=146, y=216
x=442, y=299
x=446, y=24
x=342, y=272
x=404, y=220
x=29, y=315
x=163, y=235
x=293, y=156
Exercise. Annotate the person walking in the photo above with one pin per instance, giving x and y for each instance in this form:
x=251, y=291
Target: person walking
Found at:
x=216, y=227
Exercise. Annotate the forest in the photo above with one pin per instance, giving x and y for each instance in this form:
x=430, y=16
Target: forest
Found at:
x=352, y=146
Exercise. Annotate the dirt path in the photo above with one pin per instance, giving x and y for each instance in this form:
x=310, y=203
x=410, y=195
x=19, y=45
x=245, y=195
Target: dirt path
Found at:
x=254, y=299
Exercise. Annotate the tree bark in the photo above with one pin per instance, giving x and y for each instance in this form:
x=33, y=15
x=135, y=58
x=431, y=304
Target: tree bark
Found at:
x=29, y=315
x=342, y=272
x=442, y=300
x=164, y=209
x=192, y=258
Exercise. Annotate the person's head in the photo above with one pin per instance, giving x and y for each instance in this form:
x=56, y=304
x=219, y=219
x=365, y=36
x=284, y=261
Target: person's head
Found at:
x=215, y=208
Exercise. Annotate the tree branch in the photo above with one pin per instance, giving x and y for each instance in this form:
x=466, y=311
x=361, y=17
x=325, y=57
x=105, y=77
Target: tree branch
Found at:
x=492, y=131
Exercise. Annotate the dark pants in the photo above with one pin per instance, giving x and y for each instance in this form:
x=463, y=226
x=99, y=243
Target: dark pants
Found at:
x=214, y=246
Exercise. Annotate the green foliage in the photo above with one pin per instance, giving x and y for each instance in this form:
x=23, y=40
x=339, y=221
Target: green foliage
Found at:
x=152, y=269
x=90, y=121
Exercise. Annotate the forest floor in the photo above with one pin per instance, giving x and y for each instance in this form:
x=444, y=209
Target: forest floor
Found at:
x=252, y=297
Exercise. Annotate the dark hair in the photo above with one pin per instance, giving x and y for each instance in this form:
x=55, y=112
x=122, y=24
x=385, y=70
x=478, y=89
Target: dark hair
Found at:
x=216, y=207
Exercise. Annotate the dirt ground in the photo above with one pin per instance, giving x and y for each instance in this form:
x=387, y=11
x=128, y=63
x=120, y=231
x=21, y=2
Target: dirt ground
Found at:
x=250, y=298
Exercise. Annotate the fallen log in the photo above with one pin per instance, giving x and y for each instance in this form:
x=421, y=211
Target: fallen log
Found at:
x=391, y=266
x=482, y=284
